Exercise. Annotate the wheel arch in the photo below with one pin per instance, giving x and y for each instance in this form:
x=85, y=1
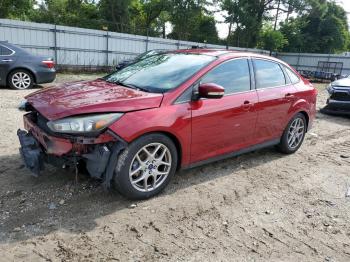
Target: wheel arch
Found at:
x=307, y=118
x=301, y=106
x=173, y=138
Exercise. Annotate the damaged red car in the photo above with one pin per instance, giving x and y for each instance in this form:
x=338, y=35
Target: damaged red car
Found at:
x=135, y=127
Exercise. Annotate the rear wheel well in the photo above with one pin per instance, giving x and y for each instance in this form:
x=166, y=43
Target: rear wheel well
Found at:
x=306, y=117
x=21, y=68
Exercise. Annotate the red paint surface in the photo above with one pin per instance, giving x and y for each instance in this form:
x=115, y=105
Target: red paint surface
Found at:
x=90, y=97
x=204, y=128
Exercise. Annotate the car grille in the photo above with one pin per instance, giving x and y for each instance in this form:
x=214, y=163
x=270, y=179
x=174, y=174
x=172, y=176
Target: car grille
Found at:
x=341, y=96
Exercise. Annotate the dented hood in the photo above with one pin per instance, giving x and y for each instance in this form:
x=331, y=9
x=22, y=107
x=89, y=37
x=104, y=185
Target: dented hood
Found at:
x=85, y=97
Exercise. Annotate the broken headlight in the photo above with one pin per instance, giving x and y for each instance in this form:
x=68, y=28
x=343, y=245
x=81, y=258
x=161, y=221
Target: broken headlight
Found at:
x=83, y=124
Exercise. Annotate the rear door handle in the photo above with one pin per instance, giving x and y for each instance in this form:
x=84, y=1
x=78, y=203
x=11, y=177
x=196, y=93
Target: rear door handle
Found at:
x=289, y=96
x=6, y=60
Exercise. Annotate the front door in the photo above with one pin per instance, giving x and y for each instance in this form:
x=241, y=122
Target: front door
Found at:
x=224, y=125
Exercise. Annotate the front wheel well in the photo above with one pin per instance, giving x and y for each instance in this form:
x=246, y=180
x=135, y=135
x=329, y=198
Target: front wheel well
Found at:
x=21, y=68
x=174, y=139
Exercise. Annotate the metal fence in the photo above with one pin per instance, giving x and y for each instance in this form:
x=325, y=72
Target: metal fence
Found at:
x=79, y=47
x=305, y=61
x=73, y=46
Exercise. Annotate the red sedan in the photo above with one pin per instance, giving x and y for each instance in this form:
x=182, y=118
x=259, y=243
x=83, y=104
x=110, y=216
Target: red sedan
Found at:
x=135, y=127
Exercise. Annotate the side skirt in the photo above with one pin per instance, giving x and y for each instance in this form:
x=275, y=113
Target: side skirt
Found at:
x=235, y=153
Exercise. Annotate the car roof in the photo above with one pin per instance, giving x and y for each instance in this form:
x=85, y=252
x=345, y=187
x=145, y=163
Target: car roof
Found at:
x=226, y=53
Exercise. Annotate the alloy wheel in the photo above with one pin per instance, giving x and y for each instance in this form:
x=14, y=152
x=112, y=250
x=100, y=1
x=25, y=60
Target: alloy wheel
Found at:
x=21, y=80
x=296, y=133
x=150, y=167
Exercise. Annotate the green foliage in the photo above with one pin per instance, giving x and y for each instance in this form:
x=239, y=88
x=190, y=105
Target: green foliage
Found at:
x=16, y=9
x=322, y=29
x=67, y=12
x=310, y=25
x=271, y=39
x=192, y=21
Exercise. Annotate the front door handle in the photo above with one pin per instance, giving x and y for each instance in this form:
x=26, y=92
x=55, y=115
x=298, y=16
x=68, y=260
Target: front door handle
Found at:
x=6, y=60
x=247, y=105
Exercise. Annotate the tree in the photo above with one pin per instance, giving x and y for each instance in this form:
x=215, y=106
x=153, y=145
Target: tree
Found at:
x=16, y=9
x=68, y=12
x=247, y=17
x=147, y=14
x=189, y=17
x=117, y=12
x=291, y=30
x=271, y=39
x=321, y=28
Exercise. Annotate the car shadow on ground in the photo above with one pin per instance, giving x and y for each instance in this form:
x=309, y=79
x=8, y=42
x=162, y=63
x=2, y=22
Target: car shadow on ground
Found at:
x=336, y=119
x=35, y=87
x=56, y=202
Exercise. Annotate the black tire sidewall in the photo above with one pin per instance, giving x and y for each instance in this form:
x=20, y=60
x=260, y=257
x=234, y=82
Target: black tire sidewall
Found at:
x=121, y=179
x=9, y=81
x=284, y=146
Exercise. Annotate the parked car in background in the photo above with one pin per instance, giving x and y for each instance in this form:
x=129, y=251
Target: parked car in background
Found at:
x=338, y=102
x=21, y=70
x=138, y=58
x=135, y=127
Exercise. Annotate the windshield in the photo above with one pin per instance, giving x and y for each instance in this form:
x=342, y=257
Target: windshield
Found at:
x=146, y=54
x=160, y=73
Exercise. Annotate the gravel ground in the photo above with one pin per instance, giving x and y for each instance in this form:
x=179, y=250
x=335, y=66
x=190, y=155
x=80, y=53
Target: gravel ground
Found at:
x=259, y=206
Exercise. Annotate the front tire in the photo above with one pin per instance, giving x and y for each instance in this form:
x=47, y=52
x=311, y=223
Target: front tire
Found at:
x=20, y=80
x=146, y=166
x=293, y=135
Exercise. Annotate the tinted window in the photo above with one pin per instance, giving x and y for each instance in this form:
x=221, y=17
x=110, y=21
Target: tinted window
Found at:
x=5, y=51
x=268, y=74
x=162, y=72
x=293, y=77
x=233, y=75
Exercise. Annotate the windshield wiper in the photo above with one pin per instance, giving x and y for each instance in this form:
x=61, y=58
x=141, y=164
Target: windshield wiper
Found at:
x=131, y=86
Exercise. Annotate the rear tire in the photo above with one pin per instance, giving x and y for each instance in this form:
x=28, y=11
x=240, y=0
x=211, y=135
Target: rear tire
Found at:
x=20, y=79
x=146, y=166
x=293, y=135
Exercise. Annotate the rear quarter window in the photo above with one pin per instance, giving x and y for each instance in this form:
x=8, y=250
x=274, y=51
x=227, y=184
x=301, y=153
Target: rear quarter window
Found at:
x=268, y=74
x=5, y=51
x=292, y=76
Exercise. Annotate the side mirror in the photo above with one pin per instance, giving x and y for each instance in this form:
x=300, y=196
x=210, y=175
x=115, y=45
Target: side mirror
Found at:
x=211, y=90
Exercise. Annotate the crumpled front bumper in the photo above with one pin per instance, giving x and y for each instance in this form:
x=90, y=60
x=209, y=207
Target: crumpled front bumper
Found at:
x=31, y=152
x=39, y=148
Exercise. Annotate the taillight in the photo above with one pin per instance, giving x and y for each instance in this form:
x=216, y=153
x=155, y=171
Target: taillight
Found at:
x=49, y=63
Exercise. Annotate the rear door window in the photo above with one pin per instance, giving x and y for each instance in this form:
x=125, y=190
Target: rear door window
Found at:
x=232, y=75
x=5, y=51
x=268, y=74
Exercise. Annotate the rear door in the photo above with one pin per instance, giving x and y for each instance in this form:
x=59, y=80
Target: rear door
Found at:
x=276, y=95
x=6, y=61
x=224, y=125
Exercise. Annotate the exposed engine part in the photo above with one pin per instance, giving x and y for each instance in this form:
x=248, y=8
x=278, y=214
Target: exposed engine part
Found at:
x=97, y=160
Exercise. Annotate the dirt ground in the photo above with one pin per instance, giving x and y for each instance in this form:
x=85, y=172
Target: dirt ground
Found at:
x=259, y=206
